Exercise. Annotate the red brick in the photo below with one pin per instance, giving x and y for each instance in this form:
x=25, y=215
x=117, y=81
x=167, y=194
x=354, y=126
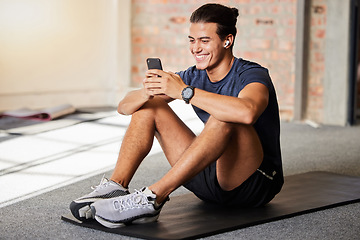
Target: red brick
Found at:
x=319, y=57
x=242, y=1
x=285, y=45
x=139, y=40
x=136, y=50
x=135, y=69
x=260, y=43
x=252, y=55
x=256, y=9
x=275, y=9
x=271, y=32
x=320, y=33
x=264, y=1
x=179, y=20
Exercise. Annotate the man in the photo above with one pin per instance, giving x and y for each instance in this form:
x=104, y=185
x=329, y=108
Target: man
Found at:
x=236, y=160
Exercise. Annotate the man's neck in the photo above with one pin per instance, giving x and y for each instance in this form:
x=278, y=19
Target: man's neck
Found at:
x=221, y=70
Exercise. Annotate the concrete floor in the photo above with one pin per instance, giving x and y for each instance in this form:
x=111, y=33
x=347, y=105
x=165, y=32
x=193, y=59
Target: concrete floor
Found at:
x=35, y=168
x=34, y=164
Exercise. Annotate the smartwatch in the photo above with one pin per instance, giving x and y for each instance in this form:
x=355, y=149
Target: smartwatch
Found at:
x=187, y=93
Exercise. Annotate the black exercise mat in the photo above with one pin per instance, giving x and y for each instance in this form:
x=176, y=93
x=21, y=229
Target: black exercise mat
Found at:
x=187, y=217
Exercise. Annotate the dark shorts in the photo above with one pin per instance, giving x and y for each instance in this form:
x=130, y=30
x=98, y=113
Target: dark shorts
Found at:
x=259, y=189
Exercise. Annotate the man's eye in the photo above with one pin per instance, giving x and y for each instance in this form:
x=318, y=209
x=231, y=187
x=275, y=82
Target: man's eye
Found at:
x=204, y=41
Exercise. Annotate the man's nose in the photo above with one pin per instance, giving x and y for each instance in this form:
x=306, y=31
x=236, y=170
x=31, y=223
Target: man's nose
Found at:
x=197, y=47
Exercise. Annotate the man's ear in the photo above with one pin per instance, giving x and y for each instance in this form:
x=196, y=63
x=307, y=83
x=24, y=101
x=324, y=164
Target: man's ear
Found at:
x=229, y=41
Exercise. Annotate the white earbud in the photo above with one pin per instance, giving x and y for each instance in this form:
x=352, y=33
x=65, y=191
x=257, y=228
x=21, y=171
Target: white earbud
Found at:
x=227, y=43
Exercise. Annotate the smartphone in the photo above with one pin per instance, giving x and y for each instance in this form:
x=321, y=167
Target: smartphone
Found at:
x=154, y=63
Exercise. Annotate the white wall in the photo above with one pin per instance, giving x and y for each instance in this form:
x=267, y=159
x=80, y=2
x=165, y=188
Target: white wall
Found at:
x=63, y=51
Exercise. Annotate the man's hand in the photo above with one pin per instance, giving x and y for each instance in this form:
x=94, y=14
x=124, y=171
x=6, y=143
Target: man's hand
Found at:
x=158, y=82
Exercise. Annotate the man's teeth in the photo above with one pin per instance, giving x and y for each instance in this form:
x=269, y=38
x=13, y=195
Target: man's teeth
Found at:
x=200, y=57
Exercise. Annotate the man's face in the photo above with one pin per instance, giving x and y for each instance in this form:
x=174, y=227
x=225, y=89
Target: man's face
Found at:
x=205, y=45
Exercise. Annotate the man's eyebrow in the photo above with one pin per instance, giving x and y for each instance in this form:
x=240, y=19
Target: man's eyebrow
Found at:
x=201, y=38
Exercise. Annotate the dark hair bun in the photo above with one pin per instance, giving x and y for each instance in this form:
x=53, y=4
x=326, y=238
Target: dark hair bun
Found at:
x=235, y=12
x=225, y=17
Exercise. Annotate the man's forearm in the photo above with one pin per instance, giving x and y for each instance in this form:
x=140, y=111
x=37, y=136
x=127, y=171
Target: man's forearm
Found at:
x=132, y=102
x=223, y=108
x=244, y=109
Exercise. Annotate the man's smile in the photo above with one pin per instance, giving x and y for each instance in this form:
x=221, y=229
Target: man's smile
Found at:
x=200, y=57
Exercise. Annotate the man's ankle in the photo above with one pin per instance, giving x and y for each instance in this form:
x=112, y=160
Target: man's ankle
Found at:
x=160, y=199
x=120, y=182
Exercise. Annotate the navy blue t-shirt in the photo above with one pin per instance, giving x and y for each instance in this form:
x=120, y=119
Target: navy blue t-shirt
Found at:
x=242, y=73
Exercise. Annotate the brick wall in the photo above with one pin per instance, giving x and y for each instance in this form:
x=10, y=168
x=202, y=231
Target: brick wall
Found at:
x=266, y=34
x=316, y=63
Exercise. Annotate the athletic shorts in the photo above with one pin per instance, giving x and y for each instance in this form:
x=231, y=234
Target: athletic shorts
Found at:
x=259, y=189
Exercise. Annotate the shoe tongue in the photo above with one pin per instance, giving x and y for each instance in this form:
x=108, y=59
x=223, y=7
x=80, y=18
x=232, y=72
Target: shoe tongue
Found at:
x=147, y=192
x=103, y=180
x=150, y=196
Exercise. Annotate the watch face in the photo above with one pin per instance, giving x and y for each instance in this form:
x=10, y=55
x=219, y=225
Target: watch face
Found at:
x=188, y=93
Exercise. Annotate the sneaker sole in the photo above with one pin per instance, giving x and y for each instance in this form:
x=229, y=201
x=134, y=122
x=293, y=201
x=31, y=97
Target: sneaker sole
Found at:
x=109, y=224
x=81, y=211
x=118, y=225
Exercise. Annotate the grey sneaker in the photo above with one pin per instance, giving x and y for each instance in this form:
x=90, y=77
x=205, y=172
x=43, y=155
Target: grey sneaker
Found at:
x=137, y=207
x=80, y=207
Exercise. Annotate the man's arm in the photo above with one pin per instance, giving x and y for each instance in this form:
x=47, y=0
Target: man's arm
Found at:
x=137, y=98
x=132, y=102
x=245, y=109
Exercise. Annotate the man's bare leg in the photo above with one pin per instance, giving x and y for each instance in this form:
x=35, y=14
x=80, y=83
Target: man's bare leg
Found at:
x=236, y=147
x=154, y=118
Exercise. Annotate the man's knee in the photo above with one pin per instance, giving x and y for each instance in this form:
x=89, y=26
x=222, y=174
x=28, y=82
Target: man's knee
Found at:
x=154, y=103
x=225, y=127
x=150, y=108
x=231, y=129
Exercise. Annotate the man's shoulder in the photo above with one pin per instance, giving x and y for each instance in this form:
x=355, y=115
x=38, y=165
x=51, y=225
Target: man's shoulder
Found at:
x=190, y=72
x=244, y=65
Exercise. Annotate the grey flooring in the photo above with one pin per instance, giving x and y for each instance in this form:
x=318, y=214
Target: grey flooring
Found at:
x=40, y=174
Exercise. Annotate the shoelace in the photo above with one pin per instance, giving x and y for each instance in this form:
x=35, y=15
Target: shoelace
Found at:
x=103, y=183
x=131, y=201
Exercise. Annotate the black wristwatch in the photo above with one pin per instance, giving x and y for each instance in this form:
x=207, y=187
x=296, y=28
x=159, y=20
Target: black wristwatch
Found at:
x=187, y=93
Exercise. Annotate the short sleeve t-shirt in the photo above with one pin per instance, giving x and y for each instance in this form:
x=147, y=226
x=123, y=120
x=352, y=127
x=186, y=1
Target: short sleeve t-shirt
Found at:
x=241, y=74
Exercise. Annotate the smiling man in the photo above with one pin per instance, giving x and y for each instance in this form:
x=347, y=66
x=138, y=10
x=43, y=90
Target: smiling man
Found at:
x=234, y=161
